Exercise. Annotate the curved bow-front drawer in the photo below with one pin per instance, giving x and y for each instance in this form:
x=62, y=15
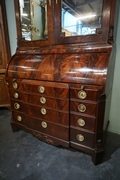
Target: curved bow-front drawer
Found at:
x=53, y=103
x=52, y=89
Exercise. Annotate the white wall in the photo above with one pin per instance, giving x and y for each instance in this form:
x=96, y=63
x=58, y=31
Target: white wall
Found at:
x=114, y=117
x=11, y=25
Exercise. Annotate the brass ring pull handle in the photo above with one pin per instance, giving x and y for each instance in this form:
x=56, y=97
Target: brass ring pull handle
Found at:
x=82, y=94
x=17, y=106
x=82, y=108
x=41, y=89
x=81, y=122
x=16, y=95
x=44, y=124
x=19, y=118
x=43, y=111
x=43, y=100
x=80, y=137
x=15, y=85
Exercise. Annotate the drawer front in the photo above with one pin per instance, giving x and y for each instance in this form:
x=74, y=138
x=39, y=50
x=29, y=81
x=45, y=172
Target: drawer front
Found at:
x=15, y=84
x=87, y=93
x=82, y=122
x=47, y=114
x=48, y=128
x=81, y=137
x=19, y=117
x=14, y=94
x=44, y=101
x=82, y=107
x=46, y=88
x=16, y=105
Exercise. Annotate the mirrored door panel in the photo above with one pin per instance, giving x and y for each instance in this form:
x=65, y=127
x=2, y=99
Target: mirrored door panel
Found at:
x=33, y=16
x=81, y=17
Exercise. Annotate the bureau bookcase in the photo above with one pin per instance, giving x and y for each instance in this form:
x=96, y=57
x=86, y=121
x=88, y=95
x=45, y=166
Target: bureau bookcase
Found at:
x=58, y=79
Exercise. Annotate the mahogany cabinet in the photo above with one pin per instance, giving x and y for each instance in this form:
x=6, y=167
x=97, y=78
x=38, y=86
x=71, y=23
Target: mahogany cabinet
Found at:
x=4, y=57
x=59, y=81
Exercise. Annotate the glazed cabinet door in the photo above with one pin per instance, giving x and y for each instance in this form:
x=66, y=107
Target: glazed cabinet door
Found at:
x=34, y=22
x=82, y=21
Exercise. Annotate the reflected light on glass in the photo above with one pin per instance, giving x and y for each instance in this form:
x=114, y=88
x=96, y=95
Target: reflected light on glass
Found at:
x=86, y=17
x=24, y=14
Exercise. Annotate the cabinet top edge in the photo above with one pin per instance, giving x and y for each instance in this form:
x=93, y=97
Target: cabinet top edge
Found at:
x=72, y=48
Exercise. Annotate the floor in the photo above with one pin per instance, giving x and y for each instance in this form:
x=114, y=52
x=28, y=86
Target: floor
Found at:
x=23, y=157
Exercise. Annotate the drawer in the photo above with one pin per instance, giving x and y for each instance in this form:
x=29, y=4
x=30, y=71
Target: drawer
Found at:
x=82, y=122
x=42, y=88
x=19, y=117
x=14, y=84
x=47, y=114
x=14, y=94
x=81, y=137
x=82, y=107
x=81, y=92
x=53, y=103
x=48, y=128
x=16, y=105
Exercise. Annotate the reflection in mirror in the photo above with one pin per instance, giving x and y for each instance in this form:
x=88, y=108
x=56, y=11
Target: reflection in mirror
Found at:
x=33, y=14
x=81, y=17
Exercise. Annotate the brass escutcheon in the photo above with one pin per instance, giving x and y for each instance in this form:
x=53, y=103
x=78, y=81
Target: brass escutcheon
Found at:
x=81, y=107
x=82, y=94
x=44, y=124
x=80, y=137
x=43, y=111
x=17, y=106
x=43, y=100
x=81, y=122
x=19, y=118
x=41, y=89
x=16, y=95
x=15, y=85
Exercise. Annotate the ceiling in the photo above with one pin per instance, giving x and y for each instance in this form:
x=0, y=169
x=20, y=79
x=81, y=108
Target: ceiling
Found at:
x=84, y=8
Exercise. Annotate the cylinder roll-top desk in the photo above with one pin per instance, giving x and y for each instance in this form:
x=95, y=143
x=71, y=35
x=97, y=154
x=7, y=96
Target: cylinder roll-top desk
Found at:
x=60, y=77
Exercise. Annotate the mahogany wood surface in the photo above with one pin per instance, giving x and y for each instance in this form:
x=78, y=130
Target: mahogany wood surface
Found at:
x=88, y=137
x=89, y=122
x=79, y=68
x=93, y=93
x=64, y=67
x=4, y=56
x=90, y=107
x=52, y=103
